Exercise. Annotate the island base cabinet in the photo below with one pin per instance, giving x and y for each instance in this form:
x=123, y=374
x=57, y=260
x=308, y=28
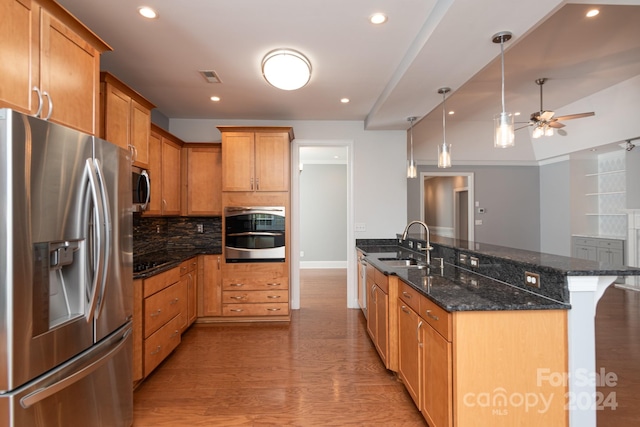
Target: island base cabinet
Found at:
x=410, y=351
x=504, y=363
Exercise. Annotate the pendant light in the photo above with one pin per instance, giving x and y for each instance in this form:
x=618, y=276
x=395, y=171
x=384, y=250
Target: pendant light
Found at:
x=412, y=170
x=444, y=150
x=504, y=132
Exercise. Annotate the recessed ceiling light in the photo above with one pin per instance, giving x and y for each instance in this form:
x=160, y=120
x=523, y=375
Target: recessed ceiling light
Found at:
x=592, y=13
x=147, y=12
x=215, y=98
x=345, y=100
x=517, y=113
x=378, y=18
x=451, y=113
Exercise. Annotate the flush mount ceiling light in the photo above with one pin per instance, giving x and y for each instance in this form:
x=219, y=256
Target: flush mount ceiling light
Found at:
x=444, y=150
x=378, y=18
x=504, y=132
x=286, y=69
x=412, y=170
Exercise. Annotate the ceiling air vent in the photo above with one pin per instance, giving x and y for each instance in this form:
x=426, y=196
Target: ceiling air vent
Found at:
x=210, y=76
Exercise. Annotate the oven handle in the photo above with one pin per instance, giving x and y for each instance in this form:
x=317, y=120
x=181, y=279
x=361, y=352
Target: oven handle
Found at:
x=253, y=209
x=254, y=233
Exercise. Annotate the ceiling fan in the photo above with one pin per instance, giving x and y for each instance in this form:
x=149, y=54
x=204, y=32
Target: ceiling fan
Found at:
x=544, y=120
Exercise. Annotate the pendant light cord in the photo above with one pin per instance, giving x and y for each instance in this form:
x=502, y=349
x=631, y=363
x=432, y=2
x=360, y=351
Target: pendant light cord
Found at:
x=502, y=60
x=444, y=128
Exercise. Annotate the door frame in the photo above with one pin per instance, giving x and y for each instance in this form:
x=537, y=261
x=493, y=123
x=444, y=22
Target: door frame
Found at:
x=352, y=291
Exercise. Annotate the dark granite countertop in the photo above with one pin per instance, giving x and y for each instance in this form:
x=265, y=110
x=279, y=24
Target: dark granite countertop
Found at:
x=457, y=289
x=167, y=259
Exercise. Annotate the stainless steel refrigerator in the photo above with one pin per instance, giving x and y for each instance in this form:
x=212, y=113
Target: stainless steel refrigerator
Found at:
x=66, y=291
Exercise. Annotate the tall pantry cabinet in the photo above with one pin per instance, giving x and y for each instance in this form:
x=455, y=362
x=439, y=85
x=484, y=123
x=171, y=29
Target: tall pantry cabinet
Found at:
x=49, y=63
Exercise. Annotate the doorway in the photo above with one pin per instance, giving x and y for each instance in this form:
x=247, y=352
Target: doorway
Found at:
x=324, y=152
x=447, y=201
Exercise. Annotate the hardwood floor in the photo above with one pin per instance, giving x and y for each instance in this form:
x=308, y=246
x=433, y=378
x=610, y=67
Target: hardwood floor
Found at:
x=320, y=370
x=323, y=370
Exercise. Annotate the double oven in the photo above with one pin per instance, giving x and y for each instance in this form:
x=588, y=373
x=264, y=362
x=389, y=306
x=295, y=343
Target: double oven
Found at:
x=254, y=234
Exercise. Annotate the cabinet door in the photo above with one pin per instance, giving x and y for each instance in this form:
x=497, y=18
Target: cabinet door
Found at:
x=192, y=296
x=210, y=287
x=410, y=351
x=238, y=161
x=610, y=256
x=382, y=323
x=155, y=175
x=437, y=406
x=272, y=162
x=371, y=311
x=117, y=116
x=69, y=73
x=204, y=189
x=140, y=130
x=586, y=252
x=17, y=56
x=138, y=335
x=170, y=178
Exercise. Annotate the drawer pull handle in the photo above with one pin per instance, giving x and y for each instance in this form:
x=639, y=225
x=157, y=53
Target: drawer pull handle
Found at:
x=156, y=313
x=176, y=332
x=404, y=294
x=418, y=333
x=431, y=315
x=156, y=351
x=174, y=301
x=273, y=309
x=237, y=285
x=273, y=284
x=236, y=297
x=236, y=310
x=404, y=308
x=273, y=296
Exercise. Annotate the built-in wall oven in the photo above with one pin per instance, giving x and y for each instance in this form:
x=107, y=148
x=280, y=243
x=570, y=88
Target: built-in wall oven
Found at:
x=254, y=234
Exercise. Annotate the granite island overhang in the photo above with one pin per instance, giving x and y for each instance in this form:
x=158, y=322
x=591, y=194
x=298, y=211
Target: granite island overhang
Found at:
x=478, y=276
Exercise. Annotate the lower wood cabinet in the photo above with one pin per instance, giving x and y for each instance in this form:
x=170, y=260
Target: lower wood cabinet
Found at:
x=188, y=287
x=382, y=315
x=210, y=286
x=470, y=368
x=255, y=289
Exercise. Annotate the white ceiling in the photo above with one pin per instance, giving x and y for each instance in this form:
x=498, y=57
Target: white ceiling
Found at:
x=389, y=72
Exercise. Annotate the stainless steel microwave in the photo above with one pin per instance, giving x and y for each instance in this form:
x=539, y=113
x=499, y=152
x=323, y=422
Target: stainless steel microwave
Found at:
x=254, y=234
x=141, y=188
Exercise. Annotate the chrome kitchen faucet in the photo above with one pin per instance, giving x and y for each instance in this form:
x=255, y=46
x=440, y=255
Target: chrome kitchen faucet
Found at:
x=428, y=248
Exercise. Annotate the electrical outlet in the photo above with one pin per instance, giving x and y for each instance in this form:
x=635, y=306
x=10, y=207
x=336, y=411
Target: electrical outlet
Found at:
x=200, y=228
x=157, y=229
x=360, y=226
x=474, y=262
x=301, y=254
x=462, y=258
x=532, y=279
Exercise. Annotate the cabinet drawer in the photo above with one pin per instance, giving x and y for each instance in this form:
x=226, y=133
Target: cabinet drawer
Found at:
x=255, y=283
x=160, y=307
x=160, y=281
x=160, y=344
x=436, y=316
x=382, y=281
x=611, y=244
x=235, y=297
x=584, y=241
x=188, y=265
x=409, y=296
x=275, y=309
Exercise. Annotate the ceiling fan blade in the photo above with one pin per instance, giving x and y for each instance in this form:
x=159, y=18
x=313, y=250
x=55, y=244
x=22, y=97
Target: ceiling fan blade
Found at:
x=576, y=116
x=555, y=124
x=546, y=115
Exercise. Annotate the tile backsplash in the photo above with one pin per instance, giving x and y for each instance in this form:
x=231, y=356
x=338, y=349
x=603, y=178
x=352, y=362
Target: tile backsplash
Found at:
x=151, y=234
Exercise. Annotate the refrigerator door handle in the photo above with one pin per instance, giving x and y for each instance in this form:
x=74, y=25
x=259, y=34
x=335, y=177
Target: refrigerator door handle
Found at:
x=106, y=222
x=46, y=391
x=99, y=272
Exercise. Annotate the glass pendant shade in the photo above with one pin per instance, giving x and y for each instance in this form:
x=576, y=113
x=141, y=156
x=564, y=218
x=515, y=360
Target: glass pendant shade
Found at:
x=444, y=155
x=504, y=130
x=412, y=169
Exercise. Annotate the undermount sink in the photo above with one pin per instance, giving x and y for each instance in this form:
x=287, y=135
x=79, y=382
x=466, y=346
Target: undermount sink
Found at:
x=402, y=262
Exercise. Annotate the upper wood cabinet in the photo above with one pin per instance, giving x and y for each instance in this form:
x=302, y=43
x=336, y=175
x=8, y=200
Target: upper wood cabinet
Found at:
x=164, y=172
x=255, y=158
x=49, y=63
x=201, y=179
x=126, y=118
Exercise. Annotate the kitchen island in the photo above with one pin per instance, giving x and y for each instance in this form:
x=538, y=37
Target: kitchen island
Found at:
x=475, y=285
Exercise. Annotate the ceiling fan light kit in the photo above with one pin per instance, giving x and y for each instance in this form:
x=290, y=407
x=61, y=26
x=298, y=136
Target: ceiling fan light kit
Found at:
x=286, y=69
x=504, y=132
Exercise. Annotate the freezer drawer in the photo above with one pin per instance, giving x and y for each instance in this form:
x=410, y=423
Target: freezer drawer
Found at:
x=94, y=389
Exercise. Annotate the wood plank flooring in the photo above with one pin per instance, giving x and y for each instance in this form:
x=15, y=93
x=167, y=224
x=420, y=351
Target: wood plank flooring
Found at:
x=322, y=370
